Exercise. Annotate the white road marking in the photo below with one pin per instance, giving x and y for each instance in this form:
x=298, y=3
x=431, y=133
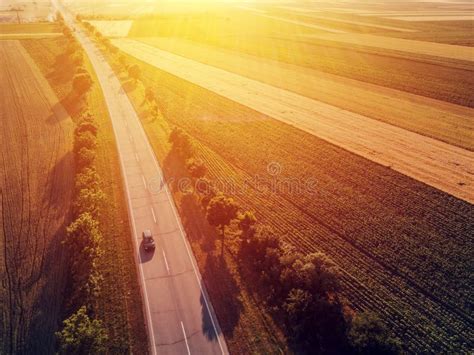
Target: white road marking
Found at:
x=136, y=157
x=144, y=182
x=183, y=237
x=166, y=262
x=185, y=338
x=153, y=213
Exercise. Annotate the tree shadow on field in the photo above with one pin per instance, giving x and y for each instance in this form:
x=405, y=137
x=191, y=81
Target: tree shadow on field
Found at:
x=47, y=309
x=73, y=103
x=224, y=292
x=129, y=85
x=194, y=221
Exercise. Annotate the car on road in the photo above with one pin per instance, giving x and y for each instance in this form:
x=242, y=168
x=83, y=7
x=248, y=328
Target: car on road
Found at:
x=148, y=241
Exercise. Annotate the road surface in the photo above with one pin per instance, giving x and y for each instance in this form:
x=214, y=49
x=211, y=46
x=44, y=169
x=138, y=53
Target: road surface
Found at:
x=179, y=314
x=441, y=165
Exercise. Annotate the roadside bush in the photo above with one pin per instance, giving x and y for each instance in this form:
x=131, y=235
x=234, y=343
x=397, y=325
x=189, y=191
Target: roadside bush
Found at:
x=86, y=179
x=220, y=212
x=197, y=169
x=85, y=158
x=77, y=59
x=368, y=335
x=181, y=143
x=86, y=126
x=81, y=70
x=84, y=139
x=89, y=199
x=149, y=94
x=81, y=83
x=82, y=335
x=134, y=72
x=82, y=240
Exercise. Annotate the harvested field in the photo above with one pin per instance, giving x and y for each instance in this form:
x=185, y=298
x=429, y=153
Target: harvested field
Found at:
x=435, y=78
x=18, y=11
x=113, y=28
x=119, y=303
x=404, y=45
x=434, y=118
x=404, y=248
x=29, y=35
x=35, y=185
x=434, y=18
x=9, y=28
x=428, y=160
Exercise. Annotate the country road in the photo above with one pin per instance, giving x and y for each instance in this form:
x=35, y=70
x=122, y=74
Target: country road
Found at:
x=438, y=164
x=179, y=315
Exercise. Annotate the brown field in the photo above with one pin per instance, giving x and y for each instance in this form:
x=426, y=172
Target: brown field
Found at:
x=435, y=78
x=17, y=11
x=387, y=232
x=36, y=183
x=119, y=304
x=113, y=28
x=441, y=120
x=403, y=45
x=443, y=166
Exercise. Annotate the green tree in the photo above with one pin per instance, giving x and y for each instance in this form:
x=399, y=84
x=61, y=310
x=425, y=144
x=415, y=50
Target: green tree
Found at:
x=82, y=335
x=368, y=335
x=220, y=212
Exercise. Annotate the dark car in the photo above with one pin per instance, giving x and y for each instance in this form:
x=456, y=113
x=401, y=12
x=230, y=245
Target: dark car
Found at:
x=148, y=241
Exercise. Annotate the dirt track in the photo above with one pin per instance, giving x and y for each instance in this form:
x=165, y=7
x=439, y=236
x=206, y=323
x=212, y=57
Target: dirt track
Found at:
x=35, y=186
x=433, y=162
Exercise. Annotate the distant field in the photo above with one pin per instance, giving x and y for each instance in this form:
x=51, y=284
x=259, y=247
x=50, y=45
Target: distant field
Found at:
x=7, y=28
x=388, y=233
x=18, y=11
x=36, y=181
x=402, y=71
x=403, y=45
x=438, y=164
x=441, y=120
x=113, y=28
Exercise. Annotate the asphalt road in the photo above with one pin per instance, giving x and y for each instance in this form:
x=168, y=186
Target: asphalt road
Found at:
x=178, y=312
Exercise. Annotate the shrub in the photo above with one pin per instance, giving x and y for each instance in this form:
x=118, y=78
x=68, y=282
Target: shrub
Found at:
x=82, y=335
x=89, y=199
x=81, y=70
x=149, y=94
x=78, y=59
x=368, y=335
x=84, y=139
x=181, y=142
x=87, y=179
x=134, y=72
x=81, y=83
x=220, y=212
x=85, y=158
x=196, y=169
